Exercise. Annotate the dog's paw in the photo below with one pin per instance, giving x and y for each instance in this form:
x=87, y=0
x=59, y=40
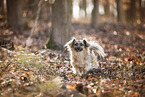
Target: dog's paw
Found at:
x=74, y=71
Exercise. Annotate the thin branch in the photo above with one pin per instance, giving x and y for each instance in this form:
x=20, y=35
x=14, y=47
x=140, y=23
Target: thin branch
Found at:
x=33, y=30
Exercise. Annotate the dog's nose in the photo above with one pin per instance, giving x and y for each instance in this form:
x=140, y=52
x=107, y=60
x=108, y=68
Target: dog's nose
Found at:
x=79, y=49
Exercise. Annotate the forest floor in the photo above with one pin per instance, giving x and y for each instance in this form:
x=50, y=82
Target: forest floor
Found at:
x=47, y=73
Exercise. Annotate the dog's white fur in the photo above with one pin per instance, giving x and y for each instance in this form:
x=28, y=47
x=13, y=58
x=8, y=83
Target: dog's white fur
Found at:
x=84, y=60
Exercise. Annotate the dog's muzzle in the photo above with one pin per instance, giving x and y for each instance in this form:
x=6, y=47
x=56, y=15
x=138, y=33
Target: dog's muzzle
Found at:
x=78, y=49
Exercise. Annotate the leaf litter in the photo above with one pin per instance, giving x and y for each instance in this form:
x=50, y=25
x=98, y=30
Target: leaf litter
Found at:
x=48, y=72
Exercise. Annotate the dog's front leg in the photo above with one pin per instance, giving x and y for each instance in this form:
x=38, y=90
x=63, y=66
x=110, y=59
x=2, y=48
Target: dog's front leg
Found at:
x=74, y=70
x=78, y=71
x=88, y=67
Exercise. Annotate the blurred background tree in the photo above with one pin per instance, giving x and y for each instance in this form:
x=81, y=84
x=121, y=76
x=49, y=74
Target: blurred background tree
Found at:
x=1, y=9
x=57, y=16
x=15, y=13
x=95, y=14
x=61, y=24
x=120, y=14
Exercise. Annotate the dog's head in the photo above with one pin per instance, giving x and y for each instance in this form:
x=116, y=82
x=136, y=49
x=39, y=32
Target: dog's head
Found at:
x=79, y=45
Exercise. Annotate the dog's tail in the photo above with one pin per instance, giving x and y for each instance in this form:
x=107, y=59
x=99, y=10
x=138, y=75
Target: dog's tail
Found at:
x=97, y=48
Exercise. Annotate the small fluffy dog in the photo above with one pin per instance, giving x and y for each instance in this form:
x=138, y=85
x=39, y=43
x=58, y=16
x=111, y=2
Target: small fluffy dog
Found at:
x=82, y=55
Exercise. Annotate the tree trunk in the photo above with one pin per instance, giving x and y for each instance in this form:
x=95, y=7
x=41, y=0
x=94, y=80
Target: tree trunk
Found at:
x=61, y=24
x=15, y=13
x=95, y=14
x=141, y=11
x=83, y=6
x=1, y=7
x=133, y=11
x=120, y=14
x=107, y=10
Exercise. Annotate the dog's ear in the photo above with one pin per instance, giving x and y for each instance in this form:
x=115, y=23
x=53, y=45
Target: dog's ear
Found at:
x=86, y=44
x=70, y=43
x=73, y=42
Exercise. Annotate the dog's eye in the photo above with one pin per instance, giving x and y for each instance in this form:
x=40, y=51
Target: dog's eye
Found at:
x=76, y=44
x=81, y=44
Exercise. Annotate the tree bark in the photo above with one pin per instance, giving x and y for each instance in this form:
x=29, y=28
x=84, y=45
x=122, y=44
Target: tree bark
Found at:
x=1, y=7
x=95, y=14
x=83, y=6
x=120, y=14
x=61, y=24
x=133, y=11
x=15, y=13
x=107, y=10
x=141, y=11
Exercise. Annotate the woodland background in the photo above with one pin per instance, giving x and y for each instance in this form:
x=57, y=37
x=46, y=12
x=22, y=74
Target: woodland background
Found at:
x=33, y=61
